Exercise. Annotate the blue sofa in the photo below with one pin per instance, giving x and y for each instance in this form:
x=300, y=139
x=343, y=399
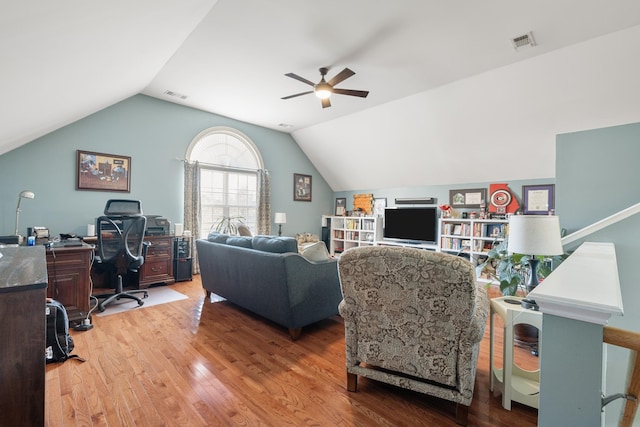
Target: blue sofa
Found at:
x=266, y=275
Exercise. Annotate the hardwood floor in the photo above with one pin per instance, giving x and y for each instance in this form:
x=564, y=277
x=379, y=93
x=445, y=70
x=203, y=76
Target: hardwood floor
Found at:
x=191, y=363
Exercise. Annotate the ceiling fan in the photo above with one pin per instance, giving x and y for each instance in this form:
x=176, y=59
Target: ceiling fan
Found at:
x=324, y=89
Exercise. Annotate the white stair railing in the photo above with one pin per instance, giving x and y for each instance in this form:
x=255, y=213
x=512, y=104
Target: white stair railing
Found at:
x=599, y=225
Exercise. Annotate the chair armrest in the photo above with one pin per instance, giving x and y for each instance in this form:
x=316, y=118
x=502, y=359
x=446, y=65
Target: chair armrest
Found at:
x=479, y=321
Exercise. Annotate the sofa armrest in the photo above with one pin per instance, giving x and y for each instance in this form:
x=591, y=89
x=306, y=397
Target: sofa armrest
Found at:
x=313, y=287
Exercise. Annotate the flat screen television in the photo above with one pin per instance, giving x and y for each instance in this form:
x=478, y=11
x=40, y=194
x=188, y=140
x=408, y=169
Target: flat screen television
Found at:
x=412, y=225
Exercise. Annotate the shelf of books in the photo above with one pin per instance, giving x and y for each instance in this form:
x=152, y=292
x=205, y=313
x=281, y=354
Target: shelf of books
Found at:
x=472, y=238
x=350, y=232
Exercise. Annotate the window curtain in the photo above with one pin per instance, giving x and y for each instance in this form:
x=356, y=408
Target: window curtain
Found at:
x=264, y=202
x=192, y=207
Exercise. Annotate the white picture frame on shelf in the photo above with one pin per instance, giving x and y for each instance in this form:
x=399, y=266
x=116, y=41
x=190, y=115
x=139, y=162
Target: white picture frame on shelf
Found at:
x=379, y=205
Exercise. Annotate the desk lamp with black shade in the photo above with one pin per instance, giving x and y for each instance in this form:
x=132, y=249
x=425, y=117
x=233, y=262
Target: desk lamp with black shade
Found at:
x=534, y=235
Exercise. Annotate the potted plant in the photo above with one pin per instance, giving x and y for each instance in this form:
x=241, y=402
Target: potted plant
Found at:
x=227, y=224
x=512, y=271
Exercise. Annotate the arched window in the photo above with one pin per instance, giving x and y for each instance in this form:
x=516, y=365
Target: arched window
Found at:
x=229, y=166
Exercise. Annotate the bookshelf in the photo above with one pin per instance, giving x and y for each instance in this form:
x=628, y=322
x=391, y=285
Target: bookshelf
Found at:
x=474, y=237
x=353, y=231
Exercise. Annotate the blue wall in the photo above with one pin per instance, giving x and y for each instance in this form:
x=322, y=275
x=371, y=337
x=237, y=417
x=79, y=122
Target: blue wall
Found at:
x=154, y=134
x=439, y=192
x=597, y=175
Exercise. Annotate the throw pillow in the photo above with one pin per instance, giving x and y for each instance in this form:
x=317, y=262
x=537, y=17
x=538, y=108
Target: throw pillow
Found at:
x=316, y=252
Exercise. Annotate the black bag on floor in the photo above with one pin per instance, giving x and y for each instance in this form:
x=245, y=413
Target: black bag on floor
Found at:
x=59, y=343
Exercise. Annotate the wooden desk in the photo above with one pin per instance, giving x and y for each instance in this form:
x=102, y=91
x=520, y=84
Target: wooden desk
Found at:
x=68, y=269
x=157, y=267
x=23, y=282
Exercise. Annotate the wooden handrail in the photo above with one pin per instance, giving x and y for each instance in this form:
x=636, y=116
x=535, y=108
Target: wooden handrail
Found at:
x=630, y=340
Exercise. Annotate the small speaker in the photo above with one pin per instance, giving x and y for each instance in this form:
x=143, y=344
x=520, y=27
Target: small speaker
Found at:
x=416, y=201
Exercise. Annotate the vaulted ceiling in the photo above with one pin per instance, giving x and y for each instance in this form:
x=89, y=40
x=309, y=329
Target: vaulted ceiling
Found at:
x=439, y=74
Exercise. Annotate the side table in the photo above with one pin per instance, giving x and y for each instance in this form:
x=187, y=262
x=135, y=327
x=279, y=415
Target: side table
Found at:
x=515, y=383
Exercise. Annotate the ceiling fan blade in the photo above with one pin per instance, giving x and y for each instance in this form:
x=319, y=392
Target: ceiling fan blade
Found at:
x=360, y=93
x=302, y=79
x=326, y=103
x=341, y=76
x=297, y=94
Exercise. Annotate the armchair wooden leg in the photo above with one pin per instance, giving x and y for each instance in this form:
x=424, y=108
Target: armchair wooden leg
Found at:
x=352, y=382
x=295, y=333
x=462, y=414
x=207, y=292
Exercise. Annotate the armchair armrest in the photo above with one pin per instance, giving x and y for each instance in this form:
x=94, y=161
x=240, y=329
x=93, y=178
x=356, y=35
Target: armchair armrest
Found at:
x=479, y=321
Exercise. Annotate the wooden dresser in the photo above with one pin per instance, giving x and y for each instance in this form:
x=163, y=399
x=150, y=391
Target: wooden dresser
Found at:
x=69, y=269
x=23, y=282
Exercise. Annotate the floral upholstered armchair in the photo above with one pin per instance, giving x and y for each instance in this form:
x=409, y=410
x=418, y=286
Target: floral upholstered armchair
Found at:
x=413, y=318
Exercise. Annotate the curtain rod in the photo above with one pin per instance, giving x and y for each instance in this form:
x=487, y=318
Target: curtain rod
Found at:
x=213, y=165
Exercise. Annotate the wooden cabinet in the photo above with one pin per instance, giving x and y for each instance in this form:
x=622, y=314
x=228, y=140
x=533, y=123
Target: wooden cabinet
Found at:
x=23, y=278
x=158, y=261
x=68, y=270
x=350, y=232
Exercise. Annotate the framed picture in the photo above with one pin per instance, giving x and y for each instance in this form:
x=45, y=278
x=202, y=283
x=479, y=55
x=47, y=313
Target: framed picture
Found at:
x=103, y=172
x=341, y=206
x=301, y=187
x=538, y=199
x=471, y=198
x=379, y=205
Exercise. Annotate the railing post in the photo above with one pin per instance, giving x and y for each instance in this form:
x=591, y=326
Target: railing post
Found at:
x=576, y=301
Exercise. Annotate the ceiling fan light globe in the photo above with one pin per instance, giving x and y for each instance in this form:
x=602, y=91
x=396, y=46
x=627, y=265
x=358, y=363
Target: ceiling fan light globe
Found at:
x=323, y=94
x=323, y=90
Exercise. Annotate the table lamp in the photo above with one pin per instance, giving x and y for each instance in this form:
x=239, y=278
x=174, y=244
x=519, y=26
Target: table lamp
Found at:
x=280, y=218
x=26, y=195
x=534, y=235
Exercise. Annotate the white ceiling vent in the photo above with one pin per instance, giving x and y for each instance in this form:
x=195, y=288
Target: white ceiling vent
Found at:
x=523, y=41
x=176, y=94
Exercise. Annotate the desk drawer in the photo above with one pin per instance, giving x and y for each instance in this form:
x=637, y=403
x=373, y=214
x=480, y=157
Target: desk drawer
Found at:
x=155, y=251
x=161, y=247
x=156, y=268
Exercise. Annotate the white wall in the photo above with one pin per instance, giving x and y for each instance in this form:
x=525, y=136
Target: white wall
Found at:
x=497, y=126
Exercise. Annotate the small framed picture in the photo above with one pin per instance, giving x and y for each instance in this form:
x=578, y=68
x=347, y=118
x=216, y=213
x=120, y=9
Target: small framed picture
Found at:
x=103, y=172
x=378, y=206
x=538, y=199
x=301, y=187
x=470, y=198
x=341, y=206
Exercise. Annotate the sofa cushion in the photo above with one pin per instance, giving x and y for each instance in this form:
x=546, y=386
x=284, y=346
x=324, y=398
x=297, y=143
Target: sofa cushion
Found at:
x=274, y=244
x=242, y=241
x=216, y=237
x=316, y=252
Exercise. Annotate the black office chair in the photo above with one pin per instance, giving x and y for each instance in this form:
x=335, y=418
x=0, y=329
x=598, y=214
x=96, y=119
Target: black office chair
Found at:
x=120, y=246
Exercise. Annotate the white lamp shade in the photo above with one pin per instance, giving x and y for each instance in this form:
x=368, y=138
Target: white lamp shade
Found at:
x=27, y=194
x=535, y=235
x=280, y=218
